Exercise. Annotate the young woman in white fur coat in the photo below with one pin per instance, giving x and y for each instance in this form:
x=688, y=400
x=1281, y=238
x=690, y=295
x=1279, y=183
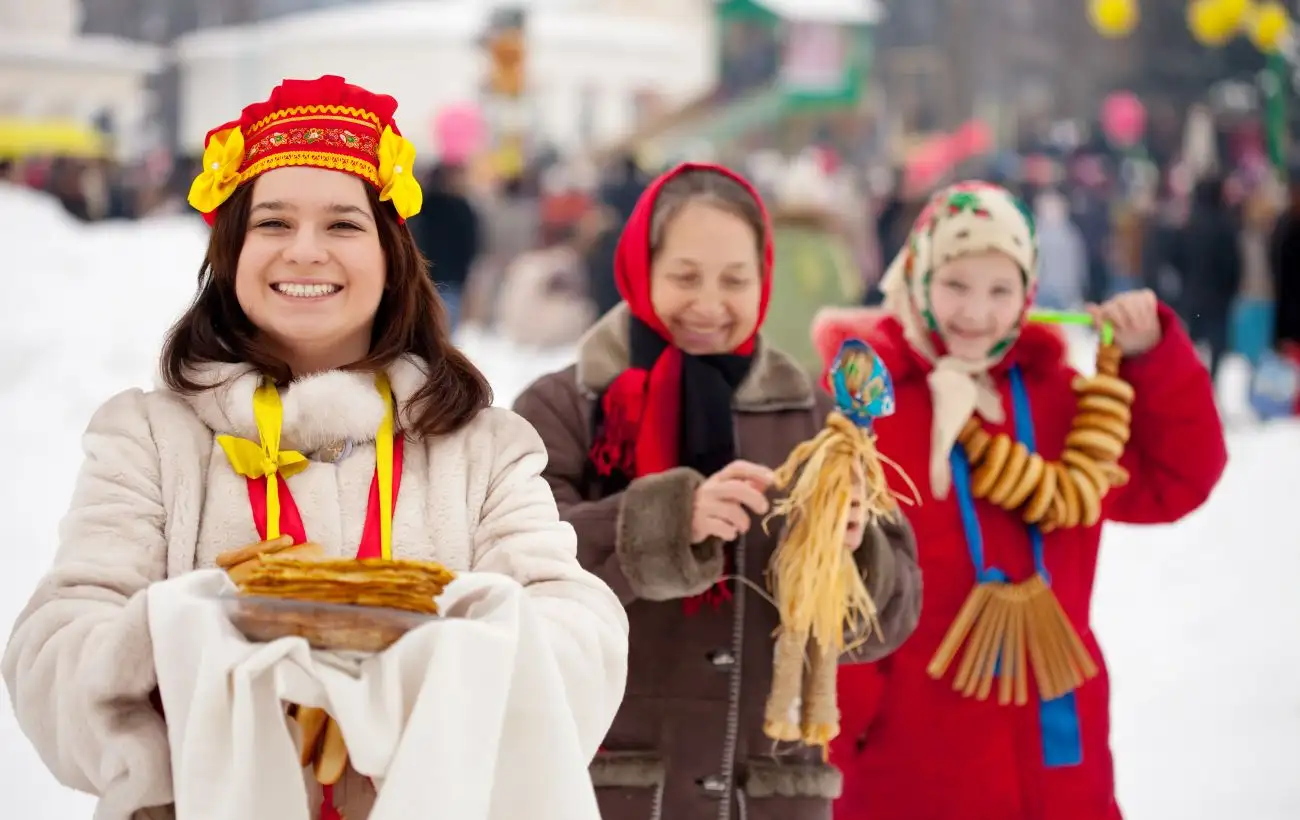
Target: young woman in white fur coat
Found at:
x=312, y=288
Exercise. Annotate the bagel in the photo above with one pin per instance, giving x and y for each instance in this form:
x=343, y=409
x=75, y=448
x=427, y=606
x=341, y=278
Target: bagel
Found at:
x=1115, y=474
x=1106, y=406
x=990, y=468
x=1011, y=474
x=1105, y=385
x=1095, y=443
x=1109, y=358
x=1056, y=512
x=1106, y=424
x=1084, y=464
x=977, y=445
x=1069, y=495
x=1070, y=491
x=1089, y=497
x=1041, y=501
x=1030, y=478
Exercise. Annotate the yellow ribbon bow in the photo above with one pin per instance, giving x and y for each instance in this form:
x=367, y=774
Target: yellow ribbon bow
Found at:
x=396, y=167
x=252, y=460
x=221, y=160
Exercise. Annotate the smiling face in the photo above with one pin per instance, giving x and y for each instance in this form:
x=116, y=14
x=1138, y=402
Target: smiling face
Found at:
x=977, y=300
x=312, y=270
x=706, y=279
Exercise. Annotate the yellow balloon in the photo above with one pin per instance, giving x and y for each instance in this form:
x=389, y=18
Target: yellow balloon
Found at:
x=1234, y=13
x=1269, y=26
x=1113, y=18
x=1210, y=23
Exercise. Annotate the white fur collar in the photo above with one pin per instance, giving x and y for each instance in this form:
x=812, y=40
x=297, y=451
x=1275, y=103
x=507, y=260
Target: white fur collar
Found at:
x=319, y=410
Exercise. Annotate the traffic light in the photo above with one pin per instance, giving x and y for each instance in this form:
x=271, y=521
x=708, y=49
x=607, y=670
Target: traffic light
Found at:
x=506, y=52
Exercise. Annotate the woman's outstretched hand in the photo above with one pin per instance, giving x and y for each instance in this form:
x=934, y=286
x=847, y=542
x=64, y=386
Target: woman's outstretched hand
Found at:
x=724, y=502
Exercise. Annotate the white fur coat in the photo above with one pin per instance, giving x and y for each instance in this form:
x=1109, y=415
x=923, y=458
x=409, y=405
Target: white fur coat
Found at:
x=156, y=498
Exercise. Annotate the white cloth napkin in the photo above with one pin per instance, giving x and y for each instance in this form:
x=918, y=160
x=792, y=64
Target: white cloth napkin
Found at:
x=463, y=718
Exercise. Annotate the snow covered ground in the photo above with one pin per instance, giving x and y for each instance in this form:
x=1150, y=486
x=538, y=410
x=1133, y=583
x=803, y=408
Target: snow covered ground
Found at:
x=1198, y=620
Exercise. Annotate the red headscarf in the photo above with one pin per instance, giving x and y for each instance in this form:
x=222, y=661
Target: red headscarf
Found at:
x=642, y=408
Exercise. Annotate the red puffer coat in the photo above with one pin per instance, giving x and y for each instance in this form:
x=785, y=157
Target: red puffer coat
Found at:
x=913, y=748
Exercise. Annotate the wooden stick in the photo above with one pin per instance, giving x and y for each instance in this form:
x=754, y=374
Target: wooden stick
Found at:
x=1022, y=662
x=972, y=659
x=1015, y=607
x=1081, y=660
x=1045, y=617
x=1065, y=638
x=1057, y=677
x=997, y=645
x=1044, y=667
x=957, y=633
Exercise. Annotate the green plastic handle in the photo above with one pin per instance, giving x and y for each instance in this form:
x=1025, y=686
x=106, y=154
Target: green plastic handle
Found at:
x=1071, y=317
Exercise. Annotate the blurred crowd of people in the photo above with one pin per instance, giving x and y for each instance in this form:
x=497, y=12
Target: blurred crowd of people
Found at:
x=533, y=259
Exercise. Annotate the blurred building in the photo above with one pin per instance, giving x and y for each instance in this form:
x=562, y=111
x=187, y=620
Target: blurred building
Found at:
x=592, y=65
x=789, y=74
x=59, y=84
x=589, y=64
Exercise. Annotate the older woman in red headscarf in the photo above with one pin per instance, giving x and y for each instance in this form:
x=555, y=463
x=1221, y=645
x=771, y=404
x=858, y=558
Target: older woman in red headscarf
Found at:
x=662, y=439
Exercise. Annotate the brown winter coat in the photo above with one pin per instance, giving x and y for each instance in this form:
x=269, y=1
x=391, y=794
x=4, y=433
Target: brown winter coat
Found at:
x=688, y=742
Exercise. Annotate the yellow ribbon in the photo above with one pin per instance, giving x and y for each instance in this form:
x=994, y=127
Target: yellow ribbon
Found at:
x=396, y=174
x=222, y=157
x=252, y=460
x=384, y=468
x=266, y=460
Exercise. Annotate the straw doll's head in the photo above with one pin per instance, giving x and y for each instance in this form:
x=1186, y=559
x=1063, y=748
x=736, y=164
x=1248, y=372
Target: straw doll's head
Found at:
x=310, y=265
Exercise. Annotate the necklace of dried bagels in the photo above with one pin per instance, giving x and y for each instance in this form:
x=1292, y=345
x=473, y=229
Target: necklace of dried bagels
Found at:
x=1018, y=626
x=1068, y=492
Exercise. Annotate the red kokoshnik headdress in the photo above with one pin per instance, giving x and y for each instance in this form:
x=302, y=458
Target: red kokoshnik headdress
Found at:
x=322, y=123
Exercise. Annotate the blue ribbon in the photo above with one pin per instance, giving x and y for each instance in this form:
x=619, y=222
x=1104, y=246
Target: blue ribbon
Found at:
x=1059, y=718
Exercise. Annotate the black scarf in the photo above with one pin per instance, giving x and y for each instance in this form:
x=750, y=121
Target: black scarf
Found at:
x=707, y=436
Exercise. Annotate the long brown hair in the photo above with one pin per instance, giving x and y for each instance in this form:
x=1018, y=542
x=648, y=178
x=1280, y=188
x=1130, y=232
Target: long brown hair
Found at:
x=411, y=319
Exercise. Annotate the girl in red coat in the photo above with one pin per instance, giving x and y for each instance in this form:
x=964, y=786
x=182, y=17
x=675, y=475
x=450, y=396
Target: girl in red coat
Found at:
x=953, y=335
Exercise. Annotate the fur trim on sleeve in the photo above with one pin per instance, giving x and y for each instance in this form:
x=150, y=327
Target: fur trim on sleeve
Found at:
x=654, y=538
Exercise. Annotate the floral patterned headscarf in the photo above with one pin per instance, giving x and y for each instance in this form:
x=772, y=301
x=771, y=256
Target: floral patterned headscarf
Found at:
x=963, y=219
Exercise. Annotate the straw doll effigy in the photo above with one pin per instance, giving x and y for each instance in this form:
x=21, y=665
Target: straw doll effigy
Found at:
x=819, y=591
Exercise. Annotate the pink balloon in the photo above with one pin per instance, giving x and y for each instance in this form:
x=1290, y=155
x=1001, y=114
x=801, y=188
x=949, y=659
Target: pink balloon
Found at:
x=1123, y=117
x=459, y=131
